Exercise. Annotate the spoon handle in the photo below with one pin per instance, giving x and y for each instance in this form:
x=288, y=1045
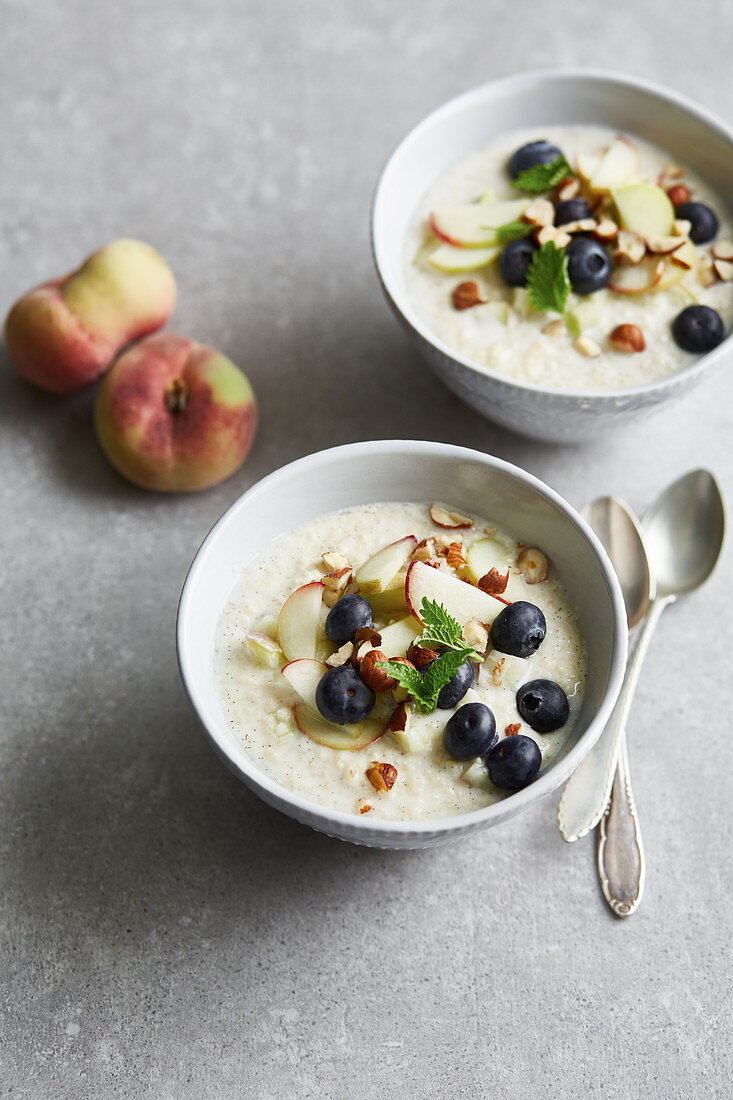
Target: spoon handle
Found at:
x=620, y=850
x=587, y=791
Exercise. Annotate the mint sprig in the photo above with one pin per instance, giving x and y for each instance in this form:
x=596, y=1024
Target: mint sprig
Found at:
x=548, y=282
x=425, y=687
x=543, y=177
x=513, y=231
x=441, y=629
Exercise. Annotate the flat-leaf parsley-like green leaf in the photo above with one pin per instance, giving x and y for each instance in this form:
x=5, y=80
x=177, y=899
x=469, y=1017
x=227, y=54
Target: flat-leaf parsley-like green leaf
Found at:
x=543, y=177
x=513, y=231
x=548, y=282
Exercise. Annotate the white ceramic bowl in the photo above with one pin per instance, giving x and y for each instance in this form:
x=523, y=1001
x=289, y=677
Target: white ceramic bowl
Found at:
x=691, y=135
x=362, y=473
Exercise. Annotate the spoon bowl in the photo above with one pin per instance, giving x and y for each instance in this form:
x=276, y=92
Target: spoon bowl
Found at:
x=683, y=533
x=618, y=529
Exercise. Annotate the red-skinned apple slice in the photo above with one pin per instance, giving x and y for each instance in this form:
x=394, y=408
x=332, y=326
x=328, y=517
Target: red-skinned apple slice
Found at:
x=303, y=676
x=637, y=278
x=377, y=572
x=397, y=638
x=351, y=738
x=455, y=260
x=462, y=601
x=474, y=224
x=297, y=624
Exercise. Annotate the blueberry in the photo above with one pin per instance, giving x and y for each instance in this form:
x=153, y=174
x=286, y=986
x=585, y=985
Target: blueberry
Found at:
x=704, y=224
x=348, y=615
x=519, y=629
x=589, y=265
x=537, y=152
x=452, y=692
x=342, y=696
x=514, y=762
x=571, y=210
x=543, y=705
x=515, y=259
x=697, y=328
x=470, y=732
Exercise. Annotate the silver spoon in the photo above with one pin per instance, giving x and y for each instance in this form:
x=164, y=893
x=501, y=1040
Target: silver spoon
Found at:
x=620, y=849
x=683, y=534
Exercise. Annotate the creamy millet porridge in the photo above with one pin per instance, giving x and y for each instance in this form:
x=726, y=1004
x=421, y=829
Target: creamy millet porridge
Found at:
x=262, y=704
x=504, y=333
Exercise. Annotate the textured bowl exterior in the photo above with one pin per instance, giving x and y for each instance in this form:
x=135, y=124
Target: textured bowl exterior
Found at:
x=400, y=470
x=692, y=136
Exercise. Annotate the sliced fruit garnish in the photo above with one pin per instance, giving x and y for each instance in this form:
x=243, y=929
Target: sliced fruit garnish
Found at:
x=397, y=638
x=617, y=164
x=639, y=278
x=485, y=555
x=677, y=265
x=644, y=208
x=297, y=624
x=455, y=260
x=585, y=314
x=303, y=676
x=378, y=571
x=474, y=224
x=352, y=738
x=392, y=600
x=264, y=649
x=462, y=601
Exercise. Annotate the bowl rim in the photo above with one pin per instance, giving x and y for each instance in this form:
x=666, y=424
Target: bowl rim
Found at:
x=248, y=770
x=509, y=84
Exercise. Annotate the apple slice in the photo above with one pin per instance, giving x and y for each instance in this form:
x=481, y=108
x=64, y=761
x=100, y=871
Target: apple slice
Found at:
x=297, y=624
x=682, y=260
x=644, y=208
x=584, y=314
x=637, y=278
x=304, y=675
x=397, y=638
x=354, y=737
x=454, y=261
x=486, y=554
x=461, y=600
x=392, y=601
x=617, y=164
x=474, y=224
x=264, y=649
x=378, y=571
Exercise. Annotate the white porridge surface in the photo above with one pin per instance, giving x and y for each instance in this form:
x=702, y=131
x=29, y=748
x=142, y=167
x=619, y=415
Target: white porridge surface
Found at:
x=513, y=343
x=259, y=700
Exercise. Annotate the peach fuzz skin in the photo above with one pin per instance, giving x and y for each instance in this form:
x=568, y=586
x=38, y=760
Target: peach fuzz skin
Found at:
x=63, y=334
x=175, y=415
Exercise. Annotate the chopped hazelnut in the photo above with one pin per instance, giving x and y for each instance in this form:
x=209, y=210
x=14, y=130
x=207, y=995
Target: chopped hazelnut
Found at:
x=381, y=776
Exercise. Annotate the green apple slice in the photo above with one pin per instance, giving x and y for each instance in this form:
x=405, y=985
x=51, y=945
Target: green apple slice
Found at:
x=392, y=601
x=297, y=624
x=644, y=208
x=455, y=261
x=474, y=224
x=585, y=314
x=378, y=571
x=351, y=738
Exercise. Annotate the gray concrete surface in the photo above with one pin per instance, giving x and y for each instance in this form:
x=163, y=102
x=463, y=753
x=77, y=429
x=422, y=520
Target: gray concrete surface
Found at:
x=163, y=933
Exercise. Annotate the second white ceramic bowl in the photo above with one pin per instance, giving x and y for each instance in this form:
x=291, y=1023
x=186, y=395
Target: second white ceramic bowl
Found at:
x=690, y=134
x=363, y=473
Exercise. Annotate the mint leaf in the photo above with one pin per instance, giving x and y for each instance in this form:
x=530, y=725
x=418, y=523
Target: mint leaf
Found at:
x=548, y=282
x=441, y=629
x=543, y=177
x=512, y=231
x=425, y=687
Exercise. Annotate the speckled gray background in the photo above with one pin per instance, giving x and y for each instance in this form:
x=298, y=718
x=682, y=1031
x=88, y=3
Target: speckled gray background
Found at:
x=163, y=933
